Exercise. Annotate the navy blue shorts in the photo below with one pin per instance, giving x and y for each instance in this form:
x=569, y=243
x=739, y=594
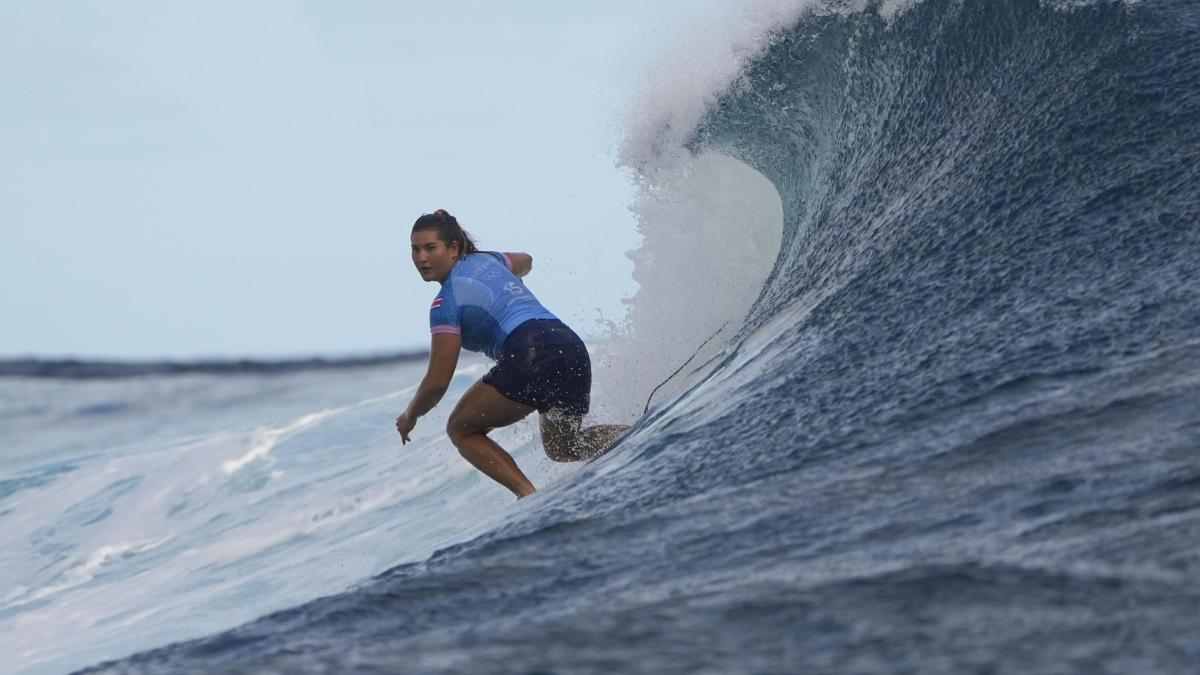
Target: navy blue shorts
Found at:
x=545, y=366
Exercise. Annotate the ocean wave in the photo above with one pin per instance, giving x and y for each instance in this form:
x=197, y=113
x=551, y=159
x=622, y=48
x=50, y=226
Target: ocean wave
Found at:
x=951, y=424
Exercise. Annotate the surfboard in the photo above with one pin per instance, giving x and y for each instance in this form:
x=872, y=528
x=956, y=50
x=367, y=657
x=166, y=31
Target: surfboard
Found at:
x=600, y=454
x=610, y=447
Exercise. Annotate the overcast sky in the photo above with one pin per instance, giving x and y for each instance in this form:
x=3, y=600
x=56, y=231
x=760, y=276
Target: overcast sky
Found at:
x=239, y=178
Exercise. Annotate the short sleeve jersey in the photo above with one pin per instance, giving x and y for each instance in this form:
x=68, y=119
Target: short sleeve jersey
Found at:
x=483, y=301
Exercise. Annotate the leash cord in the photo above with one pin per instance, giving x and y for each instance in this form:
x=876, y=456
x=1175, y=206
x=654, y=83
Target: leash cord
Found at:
x=680, y=368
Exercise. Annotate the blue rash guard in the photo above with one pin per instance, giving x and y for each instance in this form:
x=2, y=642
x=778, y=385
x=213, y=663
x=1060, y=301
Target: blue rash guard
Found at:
x=484, y=302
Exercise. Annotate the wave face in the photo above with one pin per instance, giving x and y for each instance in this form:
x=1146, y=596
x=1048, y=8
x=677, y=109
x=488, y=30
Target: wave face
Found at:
x=955, y=432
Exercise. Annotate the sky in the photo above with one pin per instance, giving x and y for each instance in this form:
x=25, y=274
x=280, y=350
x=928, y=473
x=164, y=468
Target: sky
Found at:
x=212, y=179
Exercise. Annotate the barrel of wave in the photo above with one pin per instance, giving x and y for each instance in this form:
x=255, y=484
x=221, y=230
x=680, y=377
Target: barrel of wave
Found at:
x=711, y=229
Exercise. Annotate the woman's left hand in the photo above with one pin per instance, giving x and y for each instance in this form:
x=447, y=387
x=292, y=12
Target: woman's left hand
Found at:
x=405, y=424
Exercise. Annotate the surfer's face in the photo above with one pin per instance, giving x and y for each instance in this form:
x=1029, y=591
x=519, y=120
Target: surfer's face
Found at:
x=432, y=258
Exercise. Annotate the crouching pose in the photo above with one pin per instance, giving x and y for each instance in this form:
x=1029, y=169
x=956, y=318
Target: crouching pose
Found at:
x=541, y=364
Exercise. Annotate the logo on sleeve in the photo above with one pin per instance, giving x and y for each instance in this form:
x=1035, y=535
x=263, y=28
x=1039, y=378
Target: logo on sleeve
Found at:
x=437, y=302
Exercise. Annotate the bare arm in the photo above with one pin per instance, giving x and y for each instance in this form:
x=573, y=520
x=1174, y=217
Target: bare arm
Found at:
x=522, y=263
x=443, y=357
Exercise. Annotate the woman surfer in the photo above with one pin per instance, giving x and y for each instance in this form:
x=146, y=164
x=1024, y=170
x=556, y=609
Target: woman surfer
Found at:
x=541, y=364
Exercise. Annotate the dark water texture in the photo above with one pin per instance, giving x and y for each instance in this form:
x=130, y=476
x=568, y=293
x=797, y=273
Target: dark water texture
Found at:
x=972, y=446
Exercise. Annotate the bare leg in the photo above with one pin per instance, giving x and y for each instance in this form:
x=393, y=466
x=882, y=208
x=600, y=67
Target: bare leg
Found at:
x=566, y=441
x=479, y=411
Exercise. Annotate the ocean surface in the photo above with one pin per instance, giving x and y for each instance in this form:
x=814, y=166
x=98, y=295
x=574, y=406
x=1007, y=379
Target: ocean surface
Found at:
x=937, y=407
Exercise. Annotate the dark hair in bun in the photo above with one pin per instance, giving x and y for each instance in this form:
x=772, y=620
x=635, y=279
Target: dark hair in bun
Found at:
x=448, y=229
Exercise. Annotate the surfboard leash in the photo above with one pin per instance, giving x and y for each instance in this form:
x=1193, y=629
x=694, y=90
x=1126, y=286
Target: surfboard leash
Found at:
x=680, y=368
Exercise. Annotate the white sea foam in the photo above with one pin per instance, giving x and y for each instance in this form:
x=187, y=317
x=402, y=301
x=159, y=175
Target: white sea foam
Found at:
x=704, y=60
x=711, y=236
x=266, y=439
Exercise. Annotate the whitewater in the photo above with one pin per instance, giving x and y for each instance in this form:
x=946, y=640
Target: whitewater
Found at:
x=937, y=407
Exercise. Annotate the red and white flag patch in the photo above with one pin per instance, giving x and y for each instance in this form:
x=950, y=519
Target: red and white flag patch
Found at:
x=437, y=302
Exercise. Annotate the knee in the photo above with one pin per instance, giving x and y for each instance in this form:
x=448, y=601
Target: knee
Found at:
x=459, y=427
x=458, y=434
x=456, y=429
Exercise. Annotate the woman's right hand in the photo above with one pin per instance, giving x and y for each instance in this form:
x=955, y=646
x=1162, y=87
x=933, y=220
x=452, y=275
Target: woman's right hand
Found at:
x=404, y=425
